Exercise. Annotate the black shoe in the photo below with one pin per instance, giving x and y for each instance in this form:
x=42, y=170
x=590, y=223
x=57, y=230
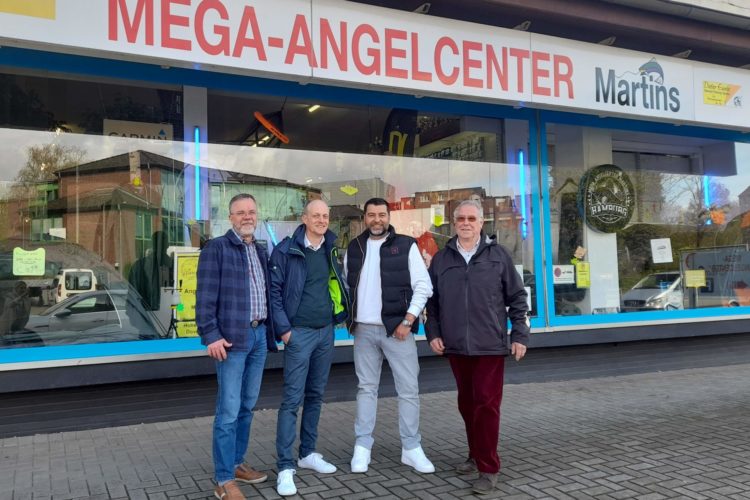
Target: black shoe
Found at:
x=485, y=484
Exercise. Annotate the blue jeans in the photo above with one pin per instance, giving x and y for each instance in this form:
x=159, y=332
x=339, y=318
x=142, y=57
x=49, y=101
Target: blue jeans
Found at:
x=307, y=363
x=239, y=378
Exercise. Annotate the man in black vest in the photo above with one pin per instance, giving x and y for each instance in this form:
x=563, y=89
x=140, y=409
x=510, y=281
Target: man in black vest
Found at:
x=389, y=285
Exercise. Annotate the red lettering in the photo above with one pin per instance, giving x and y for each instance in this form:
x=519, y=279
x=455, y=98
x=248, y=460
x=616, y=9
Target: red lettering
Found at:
x=495, y=67
x=470, y=64
x=168, y=20
x=392, y=53
x=131, y=28
x=249, y=21
x=339, y=51
x=538, y=74
x=443, y=42
x=303, y=49
x=223, y=31
x=374, y=66
x=520, y=55
x=416, y=74
x=563, y=77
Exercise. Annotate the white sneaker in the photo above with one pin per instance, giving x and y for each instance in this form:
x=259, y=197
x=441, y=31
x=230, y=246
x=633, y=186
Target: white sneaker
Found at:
x=315, y=462
x=285, y=483
x=417, y=459
x=360, y=459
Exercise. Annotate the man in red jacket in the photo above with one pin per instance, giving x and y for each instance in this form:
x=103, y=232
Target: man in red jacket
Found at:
x=474, y=280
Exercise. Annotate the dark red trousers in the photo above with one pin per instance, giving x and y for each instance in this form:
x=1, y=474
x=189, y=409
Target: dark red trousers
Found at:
x=480, y=392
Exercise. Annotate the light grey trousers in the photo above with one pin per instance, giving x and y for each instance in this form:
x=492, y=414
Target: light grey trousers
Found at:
x=371, y=345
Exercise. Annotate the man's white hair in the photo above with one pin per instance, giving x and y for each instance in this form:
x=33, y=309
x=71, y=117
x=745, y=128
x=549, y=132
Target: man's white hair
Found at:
x=469, y=203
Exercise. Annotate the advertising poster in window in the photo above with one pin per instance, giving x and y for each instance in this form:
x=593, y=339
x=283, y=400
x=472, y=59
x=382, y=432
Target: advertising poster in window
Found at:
x=186, y=271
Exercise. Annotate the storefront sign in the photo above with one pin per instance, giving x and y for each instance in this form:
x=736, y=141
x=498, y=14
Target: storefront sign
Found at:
x=366, y=46
x=606, y=198
x=138, y=130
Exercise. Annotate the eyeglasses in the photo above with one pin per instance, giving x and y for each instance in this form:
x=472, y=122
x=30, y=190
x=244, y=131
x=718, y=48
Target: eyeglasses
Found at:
x=466, y=218
x=242, y=215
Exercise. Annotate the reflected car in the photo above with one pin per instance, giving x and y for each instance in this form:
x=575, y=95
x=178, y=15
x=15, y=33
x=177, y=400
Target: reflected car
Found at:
x=89, y=318
x=655, y=292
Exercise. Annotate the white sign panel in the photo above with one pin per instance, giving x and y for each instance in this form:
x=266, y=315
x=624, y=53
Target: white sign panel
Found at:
x=661, y=250
x=563, y=274
x=372, y=46
x=617, y=82
x=366, y=46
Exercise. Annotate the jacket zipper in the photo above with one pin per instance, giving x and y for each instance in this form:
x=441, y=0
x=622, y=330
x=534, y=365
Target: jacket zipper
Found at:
x=340, y=281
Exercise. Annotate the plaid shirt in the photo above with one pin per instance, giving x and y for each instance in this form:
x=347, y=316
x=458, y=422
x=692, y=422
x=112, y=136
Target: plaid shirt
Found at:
x=223, y=307
x=258, y=302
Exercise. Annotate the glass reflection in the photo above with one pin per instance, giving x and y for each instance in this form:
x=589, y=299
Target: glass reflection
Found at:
x=685, y=245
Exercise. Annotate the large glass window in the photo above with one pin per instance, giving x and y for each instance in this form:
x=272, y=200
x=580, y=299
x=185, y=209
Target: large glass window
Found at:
x=423, y=163
x=81, y=260
x=647, y=222
x=104, y=208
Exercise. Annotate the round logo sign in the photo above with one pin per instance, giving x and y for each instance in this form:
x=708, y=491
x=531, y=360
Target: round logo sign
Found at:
x=606, y=198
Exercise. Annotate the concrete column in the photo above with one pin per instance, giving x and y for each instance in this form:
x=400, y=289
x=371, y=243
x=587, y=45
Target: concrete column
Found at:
x=587, y=148
x=197, y=197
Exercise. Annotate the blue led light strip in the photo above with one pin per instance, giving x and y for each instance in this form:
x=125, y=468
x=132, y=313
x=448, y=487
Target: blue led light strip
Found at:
x=522, y=192
x=707, y=198
x=197, y=145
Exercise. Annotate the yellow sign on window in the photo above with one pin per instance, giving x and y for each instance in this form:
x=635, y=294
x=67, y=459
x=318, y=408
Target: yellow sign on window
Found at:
x=28, y=263
x=187, y=283
x=695, y=278
x=583, y=275
x=34, y=8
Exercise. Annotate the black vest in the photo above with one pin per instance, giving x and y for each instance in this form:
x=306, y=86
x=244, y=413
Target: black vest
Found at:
x=395, y=280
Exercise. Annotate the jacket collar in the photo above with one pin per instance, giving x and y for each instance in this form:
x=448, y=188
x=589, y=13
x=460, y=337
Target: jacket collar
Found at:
x=233, y=237
x=484, y=241
x=298, y=238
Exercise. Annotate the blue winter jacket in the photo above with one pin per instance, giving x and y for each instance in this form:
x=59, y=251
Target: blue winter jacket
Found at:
x=288, y=272
x=222, y=301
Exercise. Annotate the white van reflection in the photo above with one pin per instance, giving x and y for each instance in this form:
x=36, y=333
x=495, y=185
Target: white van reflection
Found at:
x=658, y=291
x=89, y=318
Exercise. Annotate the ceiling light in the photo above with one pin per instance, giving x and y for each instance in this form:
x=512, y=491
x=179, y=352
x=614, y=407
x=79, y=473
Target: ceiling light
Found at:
x=684, y=54
x=264, y=139
x=610, y=40
x=524, y=26
x=313, y=108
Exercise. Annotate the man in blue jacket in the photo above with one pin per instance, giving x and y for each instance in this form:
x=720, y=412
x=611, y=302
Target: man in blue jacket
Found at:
x=231, y=312
x=307, y=299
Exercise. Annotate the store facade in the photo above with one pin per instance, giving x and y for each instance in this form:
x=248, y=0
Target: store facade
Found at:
x=617, y=180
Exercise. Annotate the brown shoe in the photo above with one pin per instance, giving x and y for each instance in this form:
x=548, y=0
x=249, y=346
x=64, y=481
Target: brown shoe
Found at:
x=468, y=467
x=230, y=491
x=485, y=484
x=246, y=474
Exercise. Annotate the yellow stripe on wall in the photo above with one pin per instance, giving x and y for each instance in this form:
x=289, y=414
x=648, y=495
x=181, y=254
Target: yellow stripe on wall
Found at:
x=33, y=8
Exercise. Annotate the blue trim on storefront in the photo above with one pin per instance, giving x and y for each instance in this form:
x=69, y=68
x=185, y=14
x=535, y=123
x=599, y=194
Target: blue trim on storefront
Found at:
x=539, y=321
x=544, y=173
x=139, y=347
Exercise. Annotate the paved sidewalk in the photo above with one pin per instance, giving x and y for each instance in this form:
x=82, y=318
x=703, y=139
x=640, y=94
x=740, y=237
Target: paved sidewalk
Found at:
x=679, y=434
